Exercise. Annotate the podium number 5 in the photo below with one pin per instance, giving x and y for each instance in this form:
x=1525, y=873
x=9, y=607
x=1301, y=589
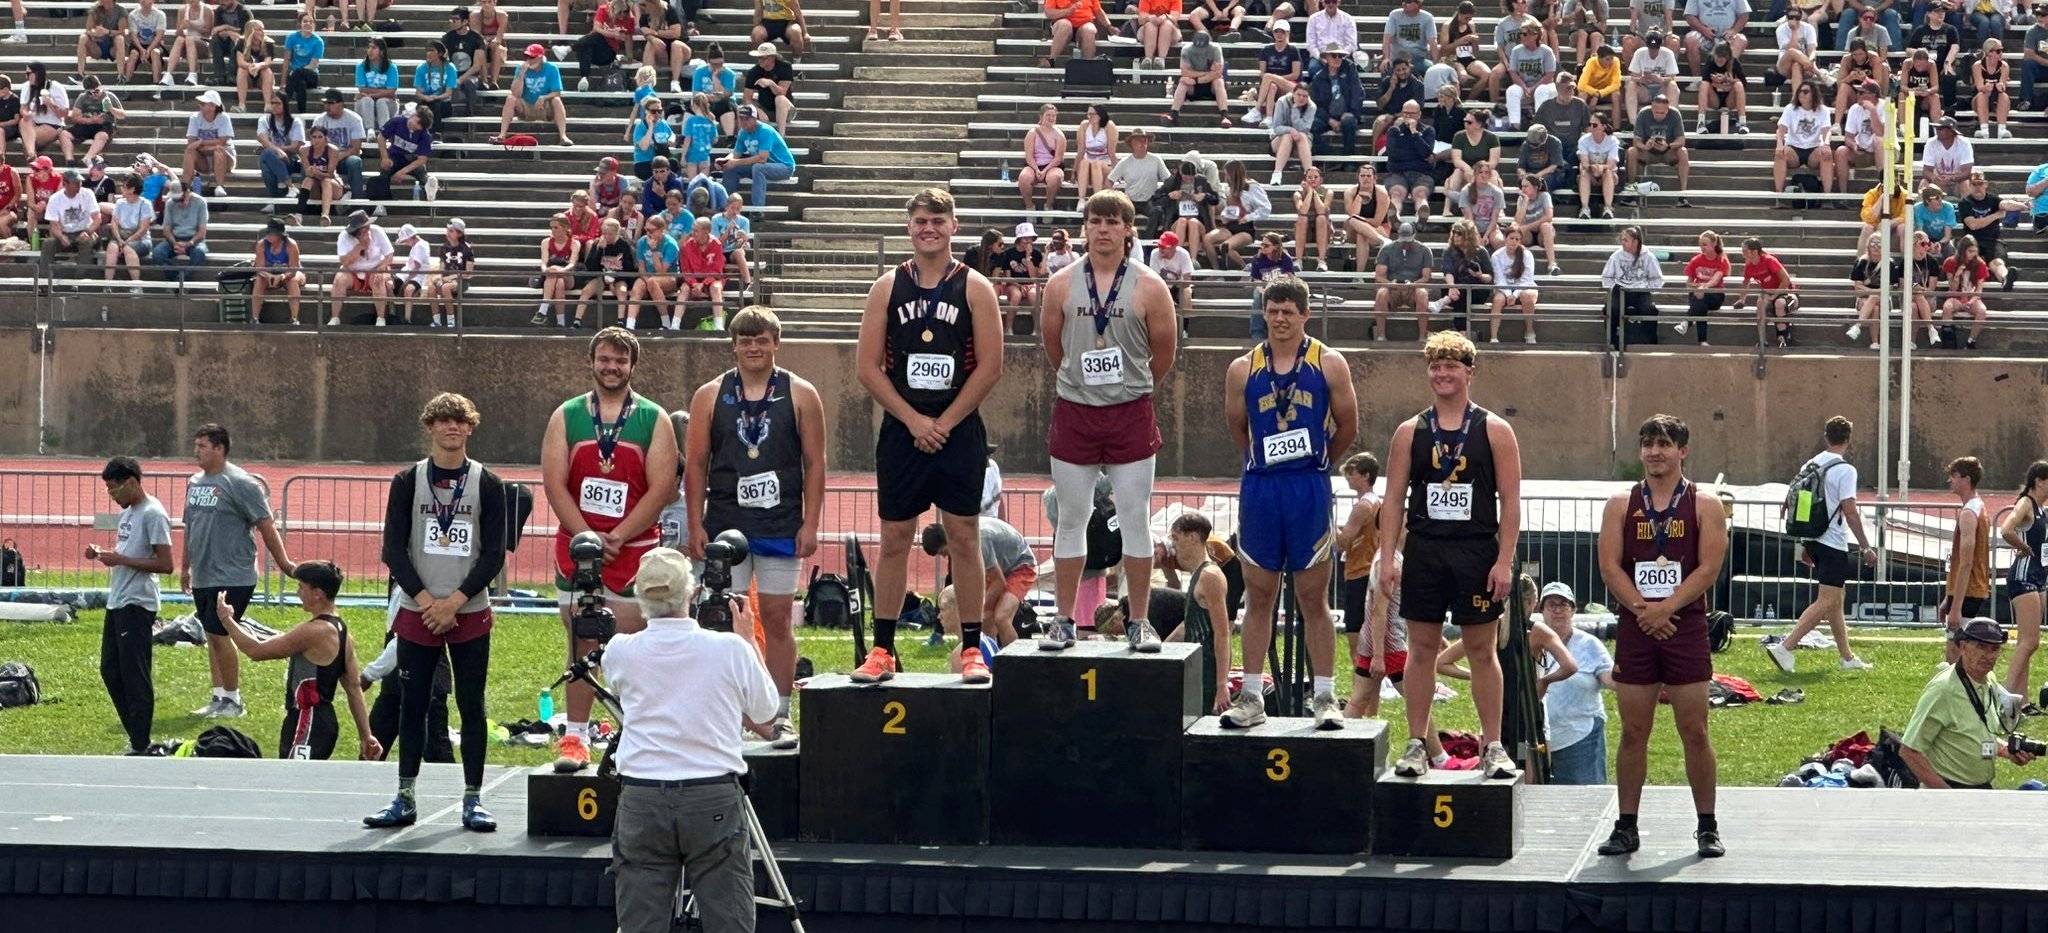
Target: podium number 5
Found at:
x=586, y=803
x=1089, y=676
x=1443, y=814
x=1280, y=769
x=896, y=712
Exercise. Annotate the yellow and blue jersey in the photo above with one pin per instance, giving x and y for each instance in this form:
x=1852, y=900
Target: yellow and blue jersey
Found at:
x=1288, y=413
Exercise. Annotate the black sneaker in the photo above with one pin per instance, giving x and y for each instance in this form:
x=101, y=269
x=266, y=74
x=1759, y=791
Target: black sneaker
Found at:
x=1623, y=841
x=1709, y=840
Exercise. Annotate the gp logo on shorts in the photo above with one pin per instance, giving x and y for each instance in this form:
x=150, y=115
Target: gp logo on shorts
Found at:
x=1481, y=603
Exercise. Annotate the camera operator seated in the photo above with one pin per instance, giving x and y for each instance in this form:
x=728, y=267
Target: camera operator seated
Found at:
x=1955, y=737
x=684, y=691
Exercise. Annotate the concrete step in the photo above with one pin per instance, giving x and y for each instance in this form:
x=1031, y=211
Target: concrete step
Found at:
x=938, y=76
x=910, y=90
x=890, y=157
x=885, y=105
x=933, y=132
x=915, y=23
x=855, y=187
x=870, y=176
x=849, y=219
x=973, y=42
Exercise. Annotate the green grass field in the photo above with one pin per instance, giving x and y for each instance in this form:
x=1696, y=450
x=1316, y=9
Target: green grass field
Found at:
x=1756, y=744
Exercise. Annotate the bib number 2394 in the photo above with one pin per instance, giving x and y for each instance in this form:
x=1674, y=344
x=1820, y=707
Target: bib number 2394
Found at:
x=606, y=497
x=1452, y=503
x=1656, y=581
x=930, y=371
x=1286, y=445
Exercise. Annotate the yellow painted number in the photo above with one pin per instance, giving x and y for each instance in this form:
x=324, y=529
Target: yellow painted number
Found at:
x=1089, y=676
x=586, y=803
x=1443, y=814
x=896, y=713
x=1280, y=769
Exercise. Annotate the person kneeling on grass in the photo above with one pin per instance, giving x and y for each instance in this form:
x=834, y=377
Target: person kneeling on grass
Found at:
x=320, y=656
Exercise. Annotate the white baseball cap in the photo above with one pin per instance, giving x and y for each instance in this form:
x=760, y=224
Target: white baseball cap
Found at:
x=1558, y=588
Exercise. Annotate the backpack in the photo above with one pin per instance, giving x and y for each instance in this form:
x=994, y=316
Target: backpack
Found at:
x=18, y=685
x=1720, y=630
x=1807, y=511
x=828, y=601
x=1105, y=540
x=226, y=742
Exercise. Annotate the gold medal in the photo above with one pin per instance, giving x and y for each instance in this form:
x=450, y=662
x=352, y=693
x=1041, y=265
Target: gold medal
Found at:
x=1663, y=561
x=604, y=465
x=1101, y=342
x=444, y=540
x=927, y=335
x=753, y=453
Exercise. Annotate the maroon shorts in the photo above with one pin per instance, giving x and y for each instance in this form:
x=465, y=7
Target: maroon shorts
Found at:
x=1103, y=436
x=469, y=626
x=1687, y=657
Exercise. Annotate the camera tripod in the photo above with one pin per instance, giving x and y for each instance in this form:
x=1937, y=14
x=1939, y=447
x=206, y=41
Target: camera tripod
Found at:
x=686, y=902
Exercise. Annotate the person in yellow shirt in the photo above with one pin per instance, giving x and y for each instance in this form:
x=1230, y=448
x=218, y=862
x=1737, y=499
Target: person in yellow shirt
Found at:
x=1600, y=80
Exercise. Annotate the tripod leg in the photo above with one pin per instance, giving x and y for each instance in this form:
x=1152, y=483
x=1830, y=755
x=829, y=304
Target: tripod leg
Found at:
x=769, y=866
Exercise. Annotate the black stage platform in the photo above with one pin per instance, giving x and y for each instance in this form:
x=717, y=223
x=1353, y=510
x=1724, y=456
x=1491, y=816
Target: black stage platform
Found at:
x=103, y=844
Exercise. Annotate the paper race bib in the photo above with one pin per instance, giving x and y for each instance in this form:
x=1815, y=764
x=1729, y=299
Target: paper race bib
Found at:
x=1231, y=212
x=1285, y=446
x=1103, y=367
x=930, y=371
x=1657, y=582
x=606, y=497
x=1188, y=207
x=760, y=491
x=460, y=536
x=1451, y=503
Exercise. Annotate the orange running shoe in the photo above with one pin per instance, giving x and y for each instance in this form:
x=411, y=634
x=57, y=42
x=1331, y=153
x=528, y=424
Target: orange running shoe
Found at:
x=973, y=670
x=575, y=755
x=879, y=666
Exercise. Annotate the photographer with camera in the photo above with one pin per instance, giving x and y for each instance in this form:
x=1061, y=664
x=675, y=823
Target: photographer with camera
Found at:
x=1955, y=737
x=608, y=465
x=682, y=688
x=754, y=462
x=444, y=542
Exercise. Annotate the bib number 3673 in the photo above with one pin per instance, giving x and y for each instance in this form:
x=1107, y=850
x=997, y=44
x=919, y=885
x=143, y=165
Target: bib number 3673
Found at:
x=760, y=491
x=606, y=497
x=1285, y=446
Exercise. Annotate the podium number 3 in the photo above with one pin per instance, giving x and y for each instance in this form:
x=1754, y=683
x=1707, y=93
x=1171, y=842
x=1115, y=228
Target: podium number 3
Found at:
x=1280, y=769
x=895, y=712
x=1442, y=815
x=586, y=803
x=1089, y=676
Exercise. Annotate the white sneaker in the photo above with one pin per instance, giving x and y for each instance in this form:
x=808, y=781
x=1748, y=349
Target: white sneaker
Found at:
x=1873, y=345
x=230, y=709
x=1120, y=39
x=1327, y=713
x=207, y=711
x=1529, y=339
x=1247, y=710
x=167, y=81
x=192, y=78
x=561, y=53
x=675, y=87
x=1933, y=336
x=1414, y=760
x=1856, y=332
x=219, y=192
x=1254, y=115
x=380, y=322
x=291, y=192
x=1782, y=656
x=2004, y=133
x=433, y=187
x=334, y=322
x=20, y=36
x=1496, y=765
x=1680, y=328
x=1275, y=179
x=1983, y=132
x=582, y=84
x=1857, y=664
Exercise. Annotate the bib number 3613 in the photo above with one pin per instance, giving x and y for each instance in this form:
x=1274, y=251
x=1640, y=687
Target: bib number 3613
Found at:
x=606, y=497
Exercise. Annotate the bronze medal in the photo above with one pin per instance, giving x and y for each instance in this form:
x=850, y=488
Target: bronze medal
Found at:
x=753, y=453
x=1101, y=342
x=604, y=465
x=927, y=335
x=1663, y=561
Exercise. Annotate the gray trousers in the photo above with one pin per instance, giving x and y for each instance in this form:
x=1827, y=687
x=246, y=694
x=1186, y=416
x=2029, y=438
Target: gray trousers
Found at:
x=663, y=833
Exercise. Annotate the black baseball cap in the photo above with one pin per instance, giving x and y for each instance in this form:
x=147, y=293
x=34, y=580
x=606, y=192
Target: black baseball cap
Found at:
x=1980, y=630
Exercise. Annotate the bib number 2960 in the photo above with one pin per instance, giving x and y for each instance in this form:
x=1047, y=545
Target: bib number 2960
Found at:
x=929, y=371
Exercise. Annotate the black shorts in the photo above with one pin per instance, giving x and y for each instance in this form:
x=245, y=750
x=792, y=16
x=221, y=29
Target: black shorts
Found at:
x=1240, y=226
x=720, y=107
x=84, y=133
x=1973, y=606
x=318, y=742
x=204, y=597
x=1803, y=154
x=777, y=29
x=1447, y=576
x=1830, y=564
x=1354, y=604
x=910, y=481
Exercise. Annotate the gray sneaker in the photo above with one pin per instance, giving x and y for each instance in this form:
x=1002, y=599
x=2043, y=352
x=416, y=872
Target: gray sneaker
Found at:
x=783, y=735
x=1327, y=713
x=1414, y=760
x=1246, y=711
x=210, y=710
x=1058, y=635
x=1495, y=763
x=231, y=709
x=1144, y=640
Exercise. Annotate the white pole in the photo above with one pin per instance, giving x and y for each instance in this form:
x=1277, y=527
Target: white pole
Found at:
x=1904, y=479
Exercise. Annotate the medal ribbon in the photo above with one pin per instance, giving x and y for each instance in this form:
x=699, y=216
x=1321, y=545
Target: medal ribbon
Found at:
x=1283, y=385
x=1660, y=522
x=444, y=515
x=928, y=298
x=608, y=437
x=1100, y=306
x=753, y=415
x=1448, y=450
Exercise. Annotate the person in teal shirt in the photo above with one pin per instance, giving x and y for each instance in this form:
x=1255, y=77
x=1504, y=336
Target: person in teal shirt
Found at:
x=433, y=82
x=658, y=253
x=759, y=157
x=540, y=95
x=1935, y=215
x=651, y=137
x=700, y=128
x=303, y=51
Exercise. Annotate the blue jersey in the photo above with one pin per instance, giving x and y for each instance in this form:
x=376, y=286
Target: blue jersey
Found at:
x=1288, y=413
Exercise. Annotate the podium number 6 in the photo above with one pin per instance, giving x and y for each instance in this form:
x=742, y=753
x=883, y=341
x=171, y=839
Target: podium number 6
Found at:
x=896, y=712
x=1443, y=814
x=1280, y=769
x=586, y=803
x=1089, y=676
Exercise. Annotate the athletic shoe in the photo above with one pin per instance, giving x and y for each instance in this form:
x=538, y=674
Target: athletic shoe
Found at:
x=561, y=53
x=783, y=734
x=1529, y=339
x=1933, y=336
x=1585, y=213
x=582, y=84
x=1983, y=132
x=973, y=670
x=1246, y=710
x=1607, y=213
x=1496, y=764
x=1865, y=776
x=1856, y=664
x=17, y=37
x=675, y=87
x=401, y=812
x=1782, y=656
x=1327, y=713
x=1742, y=128
x=1144, y=639
x=575, y=755
x=1710, y=843
x=230, y=709
x=1624, y=840
x=1254, y=117
x=219, y=192
x=334, y=322
x=192, y=78
x=879, y=665
x=1414, y=760
x=475, y=818
x=1058, y=635
x=167, y=81
x=1873, y=346
x=539, y=318
x=211, y=709
x=1855, y=332
x=1702, y=131
x=1680, y=328
x=2004, y=133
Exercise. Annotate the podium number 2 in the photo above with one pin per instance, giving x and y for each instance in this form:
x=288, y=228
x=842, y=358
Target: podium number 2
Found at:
x=586, y=803
x=1089, y=676
x=1280, y=769
x=1442, y=815
x=895, y=724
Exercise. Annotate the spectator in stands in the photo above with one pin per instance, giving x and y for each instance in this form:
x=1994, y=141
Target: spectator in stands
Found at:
x=209, y=145
x=559, y=256
x=74, y=220
x=147, y=30
x=1192, y=201
x=1965, y=273
x=1868, y=14
x=1411, y=31
x=1140, y=174
x=658, y=256
x=1514, y=280
x=362, y=251
x=1925, y=267
x=1507, y=31
x=406, y=142
x=759, y=157
x=1859, y=67
x=783, y=21
x=103, y=186
x=734, y=234
x=1803, y=140
x=253, y=58
x=1948, y=159
x=346, y=133
x=1986, y=20
x=720, y=84
x=230, y=17
x=409, y=276
x=1018, y=272
x=376, y=84
x=1992, y=103
x=1532, y=66
x=664, y=42
x=652, y=138
x=609, y=267
x=1059, y=253
x=1467, y=269
x=1935, y=216
x=1599, y=155
x=1705, y=276
x=13, y=201
x=767, y=84
x=457, y=259
x=283, y=140
x=1312, y=220
x=660, y=183
x=44, y=109
x=1397, y=88
x=94, y=115
x=1919, y=78
x=1943, y=43
x=1458, y=44
x=1586, y=22
x=539, y=84
x=494, y=25
x=610, y=36
x=1240, y=205
x=1777, y=292
x=1660, y=139
x=895, y=19
x=1366, y=207
x=1158, y=33
x=105, y=35
x=585, y=223
x=1715, y=21
x=10, y=114
x=1471, y=145
x=2034, y=58
x=1536, y=219
x=194, y=28
x=1045, y=158
x=42, y=184
x=434, y=83
x=1201, y=66
x=1073, y=23
x=1332, y=25
x=1983, y=215
x=128, y=242
x=1403, y=269
x=1482, y=202
x=463, y=47
x=1653, y=71
x=1410, y=146
x=277, y=268
x=303, y=50
x=608, y=193
x=1798, y=51
x=1177, y=267
x=1722, y=88
x=987, y=257
x=1095, y=140
x=1542, y=158
x=700, y=130
x=1630, y=276
x=1268, y=261
x=1293, y=120
x=703, y=267
x=1600, y=80
x=183, y=246
x=1866, y=29
x=1339, y=98
x=1867, y=278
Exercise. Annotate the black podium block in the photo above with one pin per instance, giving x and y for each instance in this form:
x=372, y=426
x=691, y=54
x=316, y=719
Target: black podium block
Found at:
x=580, y=804
x=1094, y=730
x=1447, y=814
x=772, y=776
x=1282, y=786
x=904, y=762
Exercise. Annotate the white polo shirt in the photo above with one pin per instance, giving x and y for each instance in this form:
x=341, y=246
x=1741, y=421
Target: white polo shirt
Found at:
x=685, y=691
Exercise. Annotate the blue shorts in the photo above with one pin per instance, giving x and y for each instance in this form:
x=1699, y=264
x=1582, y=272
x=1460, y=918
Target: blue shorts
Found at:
x=1283, y=520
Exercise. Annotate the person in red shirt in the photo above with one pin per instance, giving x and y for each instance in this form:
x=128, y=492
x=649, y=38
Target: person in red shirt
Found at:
x=584, y=222
x=43, y=181
x=1777, y=294
x=1704, y=274
x=610, y=36
x=1072, y=21
x=11, y=201
x=1965, y=273
x=704, y=270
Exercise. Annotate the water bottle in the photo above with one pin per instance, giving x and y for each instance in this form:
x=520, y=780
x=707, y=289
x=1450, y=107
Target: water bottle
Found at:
x=1771, y=612
x=1756, y=611
x=418, y=193
x=1006, y=170
x=546, y=705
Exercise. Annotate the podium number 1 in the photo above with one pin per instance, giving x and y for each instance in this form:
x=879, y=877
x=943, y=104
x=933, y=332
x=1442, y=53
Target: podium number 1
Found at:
x=1089, y=676
x=1442, y=815
x=895, y=724
x=1280, y=770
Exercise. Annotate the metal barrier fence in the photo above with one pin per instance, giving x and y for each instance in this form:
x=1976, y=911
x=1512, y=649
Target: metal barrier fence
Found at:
x=51, y=515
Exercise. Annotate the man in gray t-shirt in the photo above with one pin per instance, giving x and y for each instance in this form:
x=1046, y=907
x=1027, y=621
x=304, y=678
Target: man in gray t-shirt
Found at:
x=1403, y=271
x=1660, y=139
x=142, y=549
x=223, y=504
x=1411, y=30
x=1009, y=571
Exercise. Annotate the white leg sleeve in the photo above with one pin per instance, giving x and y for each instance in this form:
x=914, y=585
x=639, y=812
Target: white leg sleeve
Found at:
x=1131, y=484
x=1514, y=99
x=1545, y=92
x=1073, y=486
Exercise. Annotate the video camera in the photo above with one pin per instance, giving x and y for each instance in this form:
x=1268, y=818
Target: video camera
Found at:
x=712, y=607
x=593, y=619
x=2018, y=742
